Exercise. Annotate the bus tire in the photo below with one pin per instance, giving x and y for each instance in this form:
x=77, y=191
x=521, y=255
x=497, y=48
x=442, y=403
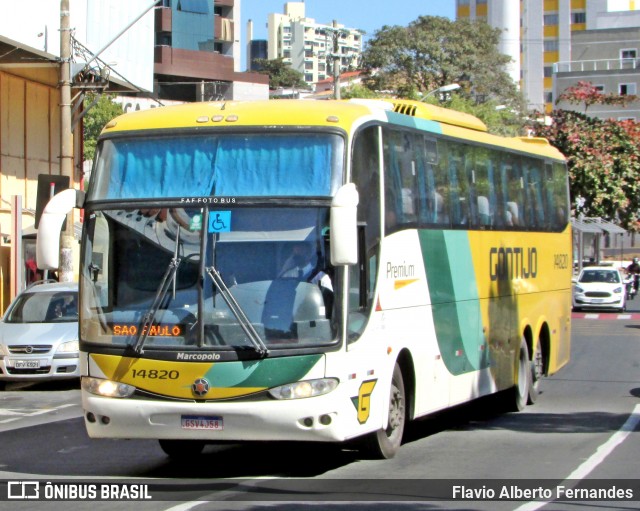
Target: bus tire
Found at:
x=181, y=449
x=537, y=373
x=522, y=386
x=384, y=443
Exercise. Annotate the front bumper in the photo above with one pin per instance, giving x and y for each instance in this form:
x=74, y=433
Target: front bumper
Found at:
x=48, y=368
x=611, y=302
x=321, y=418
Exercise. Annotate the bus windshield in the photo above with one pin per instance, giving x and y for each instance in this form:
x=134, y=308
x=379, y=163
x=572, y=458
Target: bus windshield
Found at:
x=228, y=165
x=260, y=278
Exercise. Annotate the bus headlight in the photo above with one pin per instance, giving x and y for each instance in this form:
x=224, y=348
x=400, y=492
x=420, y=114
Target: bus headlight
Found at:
x=303, y=389
x=106, y=388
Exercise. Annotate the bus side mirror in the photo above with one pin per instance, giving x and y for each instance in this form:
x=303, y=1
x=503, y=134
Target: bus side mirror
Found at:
x=53, y=216
x=344, y=226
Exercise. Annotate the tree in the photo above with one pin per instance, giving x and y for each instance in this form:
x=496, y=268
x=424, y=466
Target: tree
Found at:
x=434, y=51
x=604, y=164
x=359, y=91
x=96, y=118
x=281, y=74
x=500, y=119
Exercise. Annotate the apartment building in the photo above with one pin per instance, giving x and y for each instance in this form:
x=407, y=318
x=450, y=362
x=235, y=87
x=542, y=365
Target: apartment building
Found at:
x=538, y=34
x=311, y=47
x=609, y=59
x=197, y=53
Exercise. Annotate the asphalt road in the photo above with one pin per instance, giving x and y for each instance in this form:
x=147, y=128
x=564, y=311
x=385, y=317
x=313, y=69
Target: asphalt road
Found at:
x=583, y=427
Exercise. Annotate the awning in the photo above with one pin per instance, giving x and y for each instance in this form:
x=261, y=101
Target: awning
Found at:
x=18, y=56
x=584, y=227
x=604, y=225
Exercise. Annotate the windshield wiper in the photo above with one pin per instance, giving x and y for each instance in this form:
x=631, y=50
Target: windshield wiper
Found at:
x=237, y=311
x=150, y=315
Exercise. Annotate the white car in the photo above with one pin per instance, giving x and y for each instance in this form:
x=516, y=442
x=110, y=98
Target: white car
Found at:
x=39, y=334
x=599, y=287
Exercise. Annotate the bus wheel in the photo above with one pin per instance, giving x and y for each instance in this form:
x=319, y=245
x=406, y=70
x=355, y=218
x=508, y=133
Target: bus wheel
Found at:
x=385, y=443
x=181, y=449
x=537, y=372
x=522, y=385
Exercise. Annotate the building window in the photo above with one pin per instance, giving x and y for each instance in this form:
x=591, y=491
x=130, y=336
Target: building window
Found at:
x=197, y=6
x=629, y=53
x=480, y=2
x=627, y=89
x=599, y=88
x=578, y=17
x=551, y=45
x=548, y=97
x=308, y=78
x=463, y=2
x=550, y=19
x=548, y=71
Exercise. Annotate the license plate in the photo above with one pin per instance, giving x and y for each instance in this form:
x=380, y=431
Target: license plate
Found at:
x=202, y=422
x=26, y=364
x=597, y=300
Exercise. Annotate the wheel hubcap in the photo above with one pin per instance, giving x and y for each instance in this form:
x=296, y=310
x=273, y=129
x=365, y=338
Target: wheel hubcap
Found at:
x=396, y=410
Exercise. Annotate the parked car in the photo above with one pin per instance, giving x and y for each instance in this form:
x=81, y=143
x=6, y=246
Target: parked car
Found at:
x=39, y=334
x=599, y=287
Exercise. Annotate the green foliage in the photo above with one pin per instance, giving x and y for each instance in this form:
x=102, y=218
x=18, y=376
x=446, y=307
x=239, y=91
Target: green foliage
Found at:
x=358, y=91
x=281, y=74
x=604, y=164
x=500, y=119
x=432, y=52
x=93, y=122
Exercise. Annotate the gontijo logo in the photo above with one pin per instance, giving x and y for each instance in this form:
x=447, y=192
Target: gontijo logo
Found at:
x=506, y=263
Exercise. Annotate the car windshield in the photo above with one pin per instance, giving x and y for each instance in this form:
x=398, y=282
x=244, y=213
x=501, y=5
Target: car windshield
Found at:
x=607, y=276
x=44, y=307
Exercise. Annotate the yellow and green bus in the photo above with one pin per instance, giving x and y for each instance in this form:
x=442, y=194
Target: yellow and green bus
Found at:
x=313, y=271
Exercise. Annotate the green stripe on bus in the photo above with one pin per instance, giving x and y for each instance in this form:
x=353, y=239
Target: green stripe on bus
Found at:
x=414, y=122
x=266, y=373
x=454, y=298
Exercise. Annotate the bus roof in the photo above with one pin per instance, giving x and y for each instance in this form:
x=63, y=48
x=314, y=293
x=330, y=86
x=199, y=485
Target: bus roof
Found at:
x=327, y=113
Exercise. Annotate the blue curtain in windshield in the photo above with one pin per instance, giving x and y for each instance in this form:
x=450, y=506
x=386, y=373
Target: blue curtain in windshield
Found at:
x=299, y=165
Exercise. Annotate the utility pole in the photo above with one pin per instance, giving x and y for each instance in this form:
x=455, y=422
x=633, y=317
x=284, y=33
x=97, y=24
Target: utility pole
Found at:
x=66, y=137
x=335, y=56
x=336, y=61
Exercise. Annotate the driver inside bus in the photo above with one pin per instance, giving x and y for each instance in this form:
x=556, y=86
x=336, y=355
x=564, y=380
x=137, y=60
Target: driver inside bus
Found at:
x=302, y=265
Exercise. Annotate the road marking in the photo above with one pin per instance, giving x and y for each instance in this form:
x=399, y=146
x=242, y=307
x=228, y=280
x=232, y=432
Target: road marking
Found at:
x=17, y=414
x=596, y=458
x=597, y=315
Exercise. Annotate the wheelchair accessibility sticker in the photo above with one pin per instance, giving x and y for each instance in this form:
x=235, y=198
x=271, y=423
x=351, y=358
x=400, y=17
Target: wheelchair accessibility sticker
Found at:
x=220, y=221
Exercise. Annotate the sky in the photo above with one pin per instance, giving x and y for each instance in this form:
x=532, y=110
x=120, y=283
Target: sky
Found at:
x=367, y=15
